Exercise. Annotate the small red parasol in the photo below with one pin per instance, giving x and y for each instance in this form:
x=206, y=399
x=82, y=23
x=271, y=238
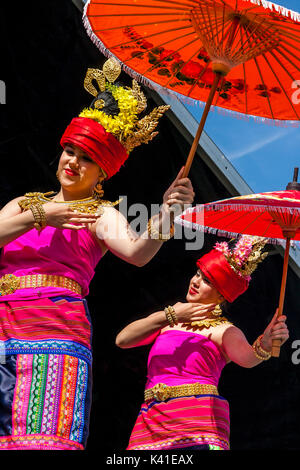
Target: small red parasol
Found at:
x=273, y=215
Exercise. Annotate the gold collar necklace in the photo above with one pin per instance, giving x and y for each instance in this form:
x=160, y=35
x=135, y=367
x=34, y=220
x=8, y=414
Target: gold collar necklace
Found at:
x=91, y=205
x=207, y=323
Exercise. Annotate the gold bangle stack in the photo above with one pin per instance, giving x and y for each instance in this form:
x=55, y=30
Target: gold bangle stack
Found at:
x=39, y=216
x=156, y=235
x=171, y=315
x=259, y=352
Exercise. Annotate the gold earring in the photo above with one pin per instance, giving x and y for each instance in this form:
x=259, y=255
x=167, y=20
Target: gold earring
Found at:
x=217, y=312
x=98, y=189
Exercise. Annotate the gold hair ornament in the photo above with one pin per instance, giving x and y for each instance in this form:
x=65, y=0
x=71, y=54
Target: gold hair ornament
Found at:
x=125, y=126
x=246, y=255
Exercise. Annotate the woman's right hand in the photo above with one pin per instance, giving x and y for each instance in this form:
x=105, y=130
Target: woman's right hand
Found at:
x=187, y=312
x=62, y=216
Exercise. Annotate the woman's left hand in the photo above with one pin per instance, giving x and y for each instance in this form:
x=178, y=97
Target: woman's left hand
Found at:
x=277, y=329
x=178, y=194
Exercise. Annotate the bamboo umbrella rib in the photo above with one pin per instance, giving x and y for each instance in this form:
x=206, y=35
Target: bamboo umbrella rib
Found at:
x=281, y=86
x=172, y=2
x=289, y=60
x=276, y=21
x=210, y=23
x=112, y=15
x=252, y=221
x=282, y=66
x=137, y=5
x=288, y=35
x=289, y=52
x=205, y=21
x=223, y=21
x=246, y=92
x=151, y=36
x=213, y=35
x=283, y=28
x=135, y=25
x=268, y=226
x=263, y=82
x=224, y=214
x=216, y=20
x=248, y=29
x=241, y=53
x=262, y=79
x=230, y=222
x=290, y=45
x=282, y=31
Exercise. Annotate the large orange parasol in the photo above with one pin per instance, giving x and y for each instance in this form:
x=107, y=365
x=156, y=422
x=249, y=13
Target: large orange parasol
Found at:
x=274, y=215
x=242, y=55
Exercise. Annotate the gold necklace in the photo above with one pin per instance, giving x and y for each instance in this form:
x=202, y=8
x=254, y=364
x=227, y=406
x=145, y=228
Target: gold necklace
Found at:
x=91, y=205
x=207, y=323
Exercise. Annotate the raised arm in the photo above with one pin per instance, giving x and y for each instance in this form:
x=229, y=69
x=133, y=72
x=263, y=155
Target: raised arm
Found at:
x=115, y=232
x=145, y=330
x=242, y=353
x=14, y=222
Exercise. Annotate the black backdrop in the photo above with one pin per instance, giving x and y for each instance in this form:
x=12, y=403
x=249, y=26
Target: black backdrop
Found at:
x=45, y=52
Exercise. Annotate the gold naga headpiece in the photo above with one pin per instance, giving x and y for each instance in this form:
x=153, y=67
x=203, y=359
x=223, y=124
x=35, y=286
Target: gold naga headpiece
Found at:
x=245, y=256
x=117, y=107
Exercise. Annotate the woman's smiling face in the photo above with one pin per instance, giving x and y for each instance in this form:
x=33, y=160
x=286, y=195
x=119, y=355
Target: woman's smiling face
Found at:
x=201, y=290
x=77, y=170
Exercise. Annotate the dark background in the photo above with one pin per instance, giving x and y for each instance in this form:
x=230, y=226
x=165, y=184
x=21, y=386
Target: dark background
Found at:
x=45, y=53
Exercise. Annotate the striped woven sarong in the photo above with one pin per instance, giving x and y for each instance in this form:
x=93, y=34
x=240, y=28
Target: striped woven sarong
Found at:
x=182, y=422
x=45, y=374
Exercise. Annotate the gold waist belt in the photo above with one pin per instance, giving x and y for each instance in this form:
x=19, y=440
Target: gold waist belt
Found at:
x=10, y=283
x=161, y=392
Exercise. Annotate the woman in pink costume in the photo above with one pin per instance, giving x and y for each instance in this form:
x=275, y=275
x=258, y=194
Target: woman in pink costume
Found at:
x=51, y=244
x=192, y=343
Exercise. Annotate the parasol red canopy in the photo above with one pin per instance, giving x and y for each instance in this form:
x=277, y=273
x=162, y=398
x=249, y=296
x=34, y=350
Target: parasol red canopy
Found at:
x=179, y=44
x=265, y=215
x=241, y=55
x=274, y=215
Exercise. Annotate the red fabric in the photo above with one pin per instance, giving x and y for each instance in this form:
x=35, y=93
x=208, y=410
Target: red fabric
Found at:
x=100, y=145
x=217, y=269
x=187, y=33
x=262, y=214
x=44, y=319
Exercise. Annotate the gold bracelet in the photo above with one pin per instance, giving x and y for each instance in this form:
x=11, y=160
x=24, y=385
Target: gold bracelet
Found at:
x=39, y=216
x=156, y=235
x=259, y=352
x=171, y=315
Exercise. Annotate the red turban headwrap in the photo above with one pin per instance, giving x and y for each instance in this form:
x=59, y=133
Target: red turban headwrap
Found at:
x=216, y=268
x=100, y=145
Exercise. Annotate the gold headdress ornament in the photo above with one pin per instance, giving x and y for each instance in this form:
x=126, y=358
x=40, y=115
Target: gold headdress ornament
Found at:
x=246, y=254
x=123, y=122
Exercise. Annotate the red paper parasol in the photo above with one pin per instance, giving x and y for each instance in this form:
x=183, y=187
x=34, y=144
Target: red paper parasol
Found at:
x=274, y=215
x=242, y=55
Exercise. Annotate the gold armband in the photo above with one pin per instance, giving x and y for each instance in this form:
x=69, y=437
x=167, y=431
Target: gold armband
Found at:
x=156, y=235
x=171, y=315
x=259, y=352
x=39, y=216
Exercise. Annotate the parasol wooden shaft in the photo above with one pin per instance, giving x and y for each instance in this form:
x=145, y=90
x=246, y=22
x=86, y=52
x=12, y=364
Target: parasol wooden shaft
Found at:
x=194, y=146
x=276, y=343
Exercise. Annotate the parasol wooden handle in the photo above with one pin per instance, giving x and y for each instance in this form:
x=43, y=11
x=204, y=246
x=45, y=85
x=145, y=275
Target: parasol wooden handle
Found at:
x=195, y=143
x=276, y=343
